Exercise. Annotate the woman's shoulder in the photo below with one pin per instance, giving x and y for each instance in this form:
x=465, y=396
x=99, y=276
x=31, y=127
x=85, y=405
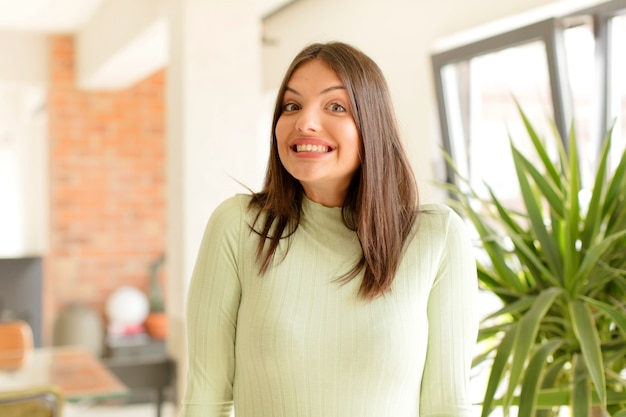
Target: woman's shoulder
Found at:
x=232, y=209
x=439, y=216
x=235, y=202
x=436, y=209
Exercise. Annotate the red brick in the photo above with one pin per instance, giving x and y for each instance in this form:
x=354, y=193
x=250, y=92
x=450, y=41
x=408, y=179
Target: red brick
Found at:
x=107, y=186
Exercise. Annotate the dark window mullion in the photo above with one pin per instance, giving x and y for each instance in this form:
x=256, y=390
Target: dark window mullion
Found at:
x=444, y=116
x=602, y=26
x=464, y=83
x=559, y=80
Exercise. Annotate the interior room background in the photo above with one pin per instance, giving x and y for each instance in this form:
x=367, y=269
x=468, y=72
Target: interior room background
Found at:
x=120, y=134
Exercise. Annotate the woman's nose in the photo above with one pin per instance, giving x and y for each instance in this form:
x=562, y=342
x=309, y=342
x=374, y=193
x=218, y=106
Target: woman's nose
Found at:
x=308, y=121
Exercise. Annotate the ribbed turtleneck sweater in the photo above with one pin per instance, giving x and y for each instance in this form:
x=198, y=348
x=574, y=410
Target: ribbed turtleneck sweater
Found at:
x=296, y=343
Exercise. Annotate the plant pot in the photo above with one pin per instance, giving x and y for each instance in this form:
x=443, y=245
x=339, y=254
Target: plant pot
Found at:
x=156, y=325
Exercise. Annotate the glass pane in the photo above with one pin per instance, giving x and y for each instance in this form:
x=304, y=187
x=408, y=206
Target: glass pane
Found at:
x=618, y=87
x=579, y=48
x=480, y=95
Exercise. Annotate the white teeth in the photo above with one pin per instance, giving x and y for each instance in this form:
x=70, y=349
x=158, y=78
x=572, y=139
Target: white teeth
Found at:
x=312, y=148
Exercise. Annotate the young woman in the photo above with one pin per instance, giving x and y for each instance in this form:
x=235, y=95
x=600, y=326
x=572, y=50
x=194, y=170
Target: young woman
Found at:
x=332, y=293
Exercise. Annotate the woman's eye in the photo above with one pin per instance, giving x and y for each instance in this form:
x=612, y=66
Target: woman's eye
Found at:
x=336, y=107
x=290, y=107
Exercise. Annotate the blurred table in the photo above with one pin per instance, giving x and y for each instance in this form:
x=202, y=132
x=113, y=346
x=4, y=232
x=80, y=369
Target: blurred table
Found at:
x=76, y=371
x=144, y=366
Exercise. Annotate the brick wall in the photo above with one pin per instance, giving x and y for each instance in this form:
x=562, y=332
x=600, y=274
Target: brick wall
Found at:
x=107, y=186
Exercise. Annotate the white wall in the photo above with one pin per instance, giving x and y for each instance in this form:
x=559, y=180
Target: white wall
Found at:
x=399, y=35
x=23, y=137
x=23, y=58
x=213, y=91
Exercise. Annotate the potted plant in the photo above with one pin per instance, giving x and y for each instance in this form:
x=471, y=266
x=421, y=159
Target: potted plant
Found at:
x=559, y=269
x=156, y=321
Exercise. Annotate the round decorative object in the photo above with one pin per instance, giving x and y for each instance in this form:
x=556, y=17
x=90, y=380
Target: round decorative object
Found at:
x=127, y=306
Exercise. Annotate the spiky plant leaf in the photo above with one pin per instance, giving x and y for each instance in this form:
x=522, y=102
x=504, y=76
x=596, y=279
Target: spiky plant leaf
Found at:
x=559, y=268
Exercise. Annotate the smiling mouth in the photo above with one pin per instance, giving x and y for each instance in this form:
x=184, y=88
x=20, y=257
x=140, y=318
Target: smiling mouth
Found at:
x=311, y=148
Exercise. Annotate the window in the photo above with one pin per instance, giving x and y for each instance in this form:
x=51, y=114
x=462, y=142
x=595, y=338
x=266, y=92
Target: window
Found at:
x=568, y=69
x=482, y=112
x=618, y=85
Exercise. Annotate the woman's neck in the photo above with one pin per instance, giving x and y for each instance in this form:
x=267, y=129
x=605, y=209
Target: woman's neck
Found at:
x=324, y=196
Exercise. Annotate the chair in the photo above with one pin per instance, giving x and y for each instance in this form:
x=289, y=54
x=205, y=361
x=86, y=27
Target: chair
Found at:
x=16, y=339
x=43, y=401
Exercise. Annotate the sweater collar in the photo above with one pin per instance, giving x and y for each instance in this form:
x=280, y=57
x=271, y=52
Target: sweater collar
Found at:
x=319, y=216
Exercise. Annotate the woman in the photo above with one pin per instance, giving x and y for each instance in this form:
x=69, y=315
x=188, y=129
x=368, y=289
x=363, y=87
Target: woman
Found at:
x=331, y=293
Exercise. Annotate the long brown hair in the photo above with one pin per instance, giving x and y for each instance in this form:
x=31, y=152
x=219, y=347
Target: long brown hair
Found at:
x=382, y=199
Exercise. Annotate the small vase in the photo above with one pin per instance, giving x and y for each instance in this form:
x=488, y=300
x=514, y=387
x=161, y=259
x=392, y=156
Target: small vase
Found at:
x=78, y=324
x=156, y=325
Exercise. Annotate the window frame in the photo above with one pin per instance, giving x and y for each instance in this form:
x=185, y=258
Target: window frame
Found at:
x=551, y=32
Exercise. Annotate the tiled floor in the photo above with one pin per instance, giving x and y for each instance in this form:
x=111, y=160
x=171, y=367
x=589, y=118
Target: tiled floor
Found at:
x=135, y=410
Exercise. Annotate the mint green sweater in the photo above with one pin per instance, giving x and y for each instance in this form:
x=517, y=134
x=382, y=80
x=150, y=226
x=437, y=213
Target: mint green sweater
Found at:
x=294, y=343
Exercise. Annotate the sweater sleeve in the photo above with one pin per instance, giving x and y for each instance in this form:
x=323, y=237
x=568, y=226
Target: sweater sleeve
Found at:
x=212, y=305
x=453, y=327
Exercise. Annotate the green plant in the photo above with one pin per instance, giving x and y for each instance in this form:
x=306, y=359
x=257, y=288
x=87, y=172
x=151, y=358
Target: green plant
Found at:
x=559, y=269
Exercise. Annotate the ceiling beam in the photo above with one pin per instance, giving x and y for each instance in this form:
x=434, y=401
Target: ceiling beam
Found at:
x=123, y=43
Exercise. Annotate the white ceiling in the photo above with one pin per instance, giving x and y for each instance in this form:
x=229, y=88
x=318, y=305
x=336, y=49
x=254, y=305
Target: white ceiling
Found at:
x=68, y=16
x=46, y=15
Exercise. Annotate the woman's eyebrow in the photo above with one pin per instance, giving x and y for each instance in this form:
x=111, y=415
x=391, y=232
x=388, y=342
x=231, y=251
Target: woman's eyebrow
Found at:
x=287, y=88
x=324, y=91
x=332, y=88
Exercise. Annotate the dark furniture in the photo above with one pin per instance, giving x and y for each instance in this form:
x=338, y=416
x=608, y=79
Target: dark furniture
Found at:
x=146, y=369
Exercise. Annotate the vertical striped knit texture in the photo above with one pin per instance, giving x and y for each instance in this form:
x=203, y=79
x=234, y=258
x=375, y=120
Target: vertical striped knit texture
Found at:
x=295, y=343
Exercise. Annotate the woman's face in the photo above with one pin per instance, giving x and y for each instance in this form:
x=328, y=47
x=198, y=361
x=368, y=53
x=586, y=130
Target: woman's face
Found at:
x=318, y=141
